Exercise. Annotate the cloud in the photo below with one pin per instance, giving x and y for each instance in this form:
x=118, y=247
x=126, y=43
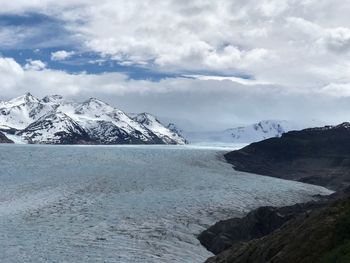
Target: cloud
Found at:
x=295, y=52
x=34, y=65
x=338, y=39
x=202, y=103
x=288, y=42
x=61, y=55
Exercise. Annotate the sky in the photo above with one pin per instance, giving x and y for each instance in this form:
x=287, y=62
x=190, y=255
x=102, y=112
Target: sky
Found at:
x=203, y=64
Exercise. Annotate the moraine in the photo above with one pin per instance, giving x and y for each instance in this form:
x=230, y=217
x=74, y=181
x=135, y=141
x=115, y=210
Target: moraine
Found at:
x=123, y=203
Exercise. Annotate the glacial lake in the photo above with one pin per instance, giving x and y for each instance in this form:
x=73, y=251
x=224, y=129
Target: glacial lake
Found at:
x=123, y=203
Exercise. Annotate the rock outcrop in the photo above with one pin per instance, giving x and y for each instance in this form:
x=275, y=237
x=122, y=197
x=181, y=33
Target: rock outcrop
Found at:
x=4, y=139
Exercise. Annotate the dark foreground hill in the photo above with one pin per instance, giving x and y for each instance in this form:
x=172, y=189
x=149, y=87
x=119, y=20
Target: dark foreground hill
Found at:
x=311, y=232
x=321, y=236
x=257, y=223
x=318, y=156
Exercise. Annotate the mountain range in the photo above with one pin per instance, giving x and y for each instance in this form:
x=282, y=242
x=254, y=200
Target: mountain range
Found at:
x=54, y=120
x=250, y=133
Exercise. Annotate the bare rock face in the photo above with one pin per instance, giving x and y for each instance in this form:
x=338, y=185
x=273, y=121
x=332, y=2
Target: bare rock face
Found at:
x=4, y=139
x=318, y=156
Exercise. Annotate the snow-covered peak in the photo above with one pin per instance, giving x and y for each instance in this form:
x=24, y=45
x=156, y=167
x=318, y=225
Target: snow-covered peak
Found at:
x=28, y=98
x=94, y=110
x=154, y=125
x=21, y=111
x=263, y=129
x=21, y=100
x=93, y=102
x=247, y=134
x=93, y=107
x=52, y=99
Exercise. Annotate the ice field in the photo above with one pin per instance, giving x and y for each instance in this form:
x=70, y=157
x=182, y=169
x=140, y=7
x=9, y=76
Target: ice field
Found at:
x=123, y=203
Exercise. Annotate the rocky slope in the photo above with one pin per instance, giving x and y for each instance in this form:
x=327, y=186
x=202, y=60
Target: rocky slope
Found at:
x=257, y=223
x=319, y=236
x=312, y=232
x=318, y=156
x=53, y=120
x=4, y=139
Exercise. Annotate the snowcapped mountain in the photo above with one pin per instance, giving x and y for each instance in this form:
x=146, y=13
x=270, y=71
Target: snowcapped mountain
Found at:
x=248, y=134
x=167, y=134
x=55, y=128
x=53, y=120
x=18, y=113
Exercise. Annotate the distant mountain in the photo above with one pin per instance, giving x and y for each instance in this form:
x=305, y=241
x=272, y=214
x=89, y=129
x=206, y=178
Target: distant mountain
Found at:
x=18, y=113
x=53, y=120
x=168, y=134
x=246, y=134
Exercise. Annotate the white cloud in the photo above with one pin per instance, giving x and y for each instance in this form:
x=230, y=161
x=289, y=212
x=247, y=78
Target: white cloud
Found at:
x=283, y=41
x=338, y=39
x=296, y=51
x=243, y=81
x=222, y=36
x=201, y=103
x=61, y=55
x=36, y=65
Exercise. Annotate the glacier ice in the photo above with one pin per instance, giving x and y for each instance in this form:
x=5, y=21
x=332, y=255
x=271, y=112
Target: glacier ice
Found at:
x=123, y=203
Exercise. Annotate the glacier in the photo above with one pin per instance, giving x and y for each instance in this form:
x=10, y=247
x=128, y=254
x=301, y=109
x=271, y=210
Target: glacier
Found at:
x=124, y=203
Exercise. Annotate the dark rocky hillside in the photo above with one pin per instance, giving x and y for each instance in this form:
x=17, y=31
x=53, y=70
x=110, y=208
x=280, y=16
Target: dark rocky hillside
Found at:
x=318, y=156
x=321, y=236
x=311, y=232
x=4, y=139
x=256, y=224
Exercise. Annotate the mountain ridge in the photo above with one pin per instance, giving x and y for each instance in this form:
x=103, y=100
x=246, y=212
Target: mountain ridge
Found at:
x=53, y=120
x=255, y=132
